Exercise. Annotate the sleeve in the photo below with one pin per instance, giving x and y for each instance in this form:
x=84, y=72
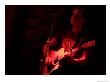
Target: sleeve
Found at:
x=55, y=42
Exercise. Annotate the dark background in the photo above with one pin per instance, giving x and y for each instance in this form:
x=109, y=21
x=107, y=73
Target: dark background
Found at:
x=27, y=28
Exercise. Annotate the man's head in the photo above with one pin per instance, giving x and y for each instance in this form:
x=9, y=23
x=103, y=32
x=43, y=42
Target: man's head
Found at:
x=77, y=19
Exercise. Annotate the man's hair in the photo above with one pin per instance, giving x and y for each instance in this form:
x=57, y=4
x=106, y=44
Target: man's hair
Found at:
x=82, y=10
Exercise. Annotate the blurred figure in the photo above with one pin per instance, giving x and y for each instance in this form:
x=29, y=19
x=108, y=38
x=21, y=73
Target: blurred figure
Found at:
x=69, y=42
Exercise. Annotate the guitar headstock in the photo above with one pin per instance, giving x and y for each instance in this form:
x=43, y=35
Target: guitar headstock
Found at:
x=89, y=44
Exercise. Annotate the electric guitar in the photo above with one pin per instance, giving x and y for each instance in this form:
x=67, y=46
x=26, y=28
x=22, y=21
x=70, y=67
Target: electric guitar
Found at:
x=58, y=55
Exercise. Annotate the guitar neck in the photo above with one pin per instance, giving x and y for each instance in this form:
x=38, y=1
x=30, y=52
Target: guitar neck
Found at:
x=84, y=46
x=88, y=44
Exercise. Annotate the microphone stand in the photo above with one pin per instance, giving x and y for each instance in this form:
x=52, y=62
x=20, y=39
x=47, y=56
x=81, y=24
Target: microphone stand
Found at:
x=42, y=60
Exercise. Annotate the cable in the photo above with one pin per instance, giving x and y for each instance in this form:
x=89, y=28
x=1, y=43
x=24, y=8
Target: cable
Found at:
x=50, y=32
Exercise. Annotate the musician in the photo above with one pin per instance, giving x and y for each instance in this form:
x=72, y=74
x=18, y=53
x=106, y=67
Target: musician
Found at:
x=67, y=40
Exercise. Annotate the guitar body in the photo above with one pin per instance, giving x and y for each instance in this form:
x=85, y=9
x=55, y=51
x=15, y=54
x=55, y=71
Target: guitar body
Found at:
x=55, y=56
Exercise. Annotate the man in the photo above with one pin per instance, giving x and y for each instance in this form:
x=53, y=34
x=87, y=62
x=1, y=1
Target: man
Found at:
x=66, y=40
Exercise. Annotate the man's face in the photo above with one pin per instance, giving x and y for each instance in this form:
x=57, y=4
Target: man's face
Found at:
x=77, y=20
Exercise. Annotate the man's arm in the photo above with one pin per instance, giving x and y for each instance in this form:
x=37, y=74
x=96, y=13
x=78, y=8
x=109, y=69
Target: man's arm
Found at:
x=46, y=54
x=50, y=43
x=83, y=58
